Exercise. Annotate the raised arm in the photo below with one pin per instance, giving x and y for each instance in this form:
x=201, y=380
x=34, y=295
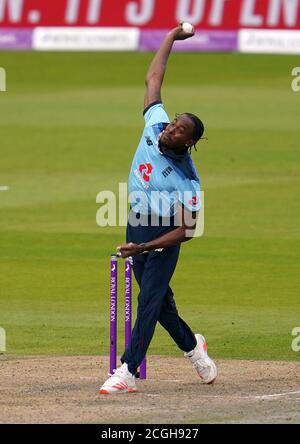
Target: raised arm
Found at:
x=157, y=68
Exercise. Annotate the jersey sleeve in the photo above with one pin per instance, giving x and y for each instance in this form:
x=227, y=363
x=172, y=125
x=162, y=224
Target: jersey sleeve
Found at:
x=155, y=113
x=189, y=194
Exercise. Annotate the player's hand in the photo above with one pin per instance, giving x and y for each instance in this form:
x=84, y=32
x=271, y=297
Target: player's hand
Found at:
x=129, y=249
x=179, y=34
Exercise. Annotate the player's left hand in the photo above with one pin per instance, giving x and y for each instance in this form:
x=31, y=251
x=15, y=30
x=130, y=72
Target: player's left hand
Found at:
x=129, y=249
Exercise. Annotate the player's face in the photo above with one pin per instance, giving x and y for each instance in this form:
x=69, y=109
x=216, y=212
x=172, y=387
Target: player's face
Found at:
x=178, y=135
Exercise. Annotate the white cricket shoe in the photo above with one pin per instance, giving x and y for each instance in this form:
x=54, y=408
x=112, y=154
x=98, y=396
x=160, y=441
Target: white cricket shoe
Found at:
x=120, y=382
x=205, y=367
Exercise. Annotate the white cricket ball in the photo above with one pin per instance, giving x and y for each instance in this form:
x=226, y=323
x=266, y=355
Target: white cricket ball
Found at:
x=187, y=27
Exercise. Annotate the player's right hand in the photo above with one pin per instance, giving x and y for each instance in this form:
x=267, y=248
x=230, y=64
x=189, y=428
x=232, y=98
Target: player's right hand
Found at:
x=179, y=34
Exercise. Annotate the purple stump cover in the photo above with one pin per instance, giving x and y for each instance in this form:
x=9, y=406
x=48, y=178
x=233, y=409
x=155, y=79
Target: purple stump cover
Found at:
x=113, y=312
x=143, y=369
x=128, y=312
x=128, y=303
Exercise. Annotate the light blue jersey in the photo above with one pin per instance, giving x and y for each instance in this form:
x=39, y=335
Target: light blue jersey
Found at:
x=159, y=182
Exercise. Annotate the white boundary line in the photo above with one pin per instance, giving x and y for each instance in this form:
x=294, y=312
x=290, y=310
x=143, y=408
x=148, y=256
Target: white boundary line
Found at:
x=272, y=396
x=275, y=395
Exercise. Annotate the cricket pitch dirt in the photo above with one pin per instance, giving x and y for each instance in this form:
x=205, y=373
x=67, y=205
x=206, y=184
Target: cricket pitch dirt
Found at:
x=65, y=390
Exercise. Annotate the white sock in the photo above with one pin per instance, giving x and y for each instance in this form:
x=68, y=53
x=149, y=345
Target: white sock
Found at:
x=124, y=368
x=190, y=354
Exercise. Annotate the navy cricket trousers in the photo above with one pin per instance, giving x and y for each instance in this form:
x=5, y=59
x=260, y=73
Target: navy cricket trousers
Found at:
x=153, y=272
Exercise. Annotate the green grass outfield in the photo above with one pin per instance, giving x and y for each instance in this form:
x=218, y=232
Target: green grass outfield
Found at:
x=69, y=126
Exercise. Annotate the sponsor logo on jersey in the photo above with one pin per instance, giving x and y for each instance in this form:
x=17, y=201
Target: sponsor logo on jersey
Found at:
x=146, y=169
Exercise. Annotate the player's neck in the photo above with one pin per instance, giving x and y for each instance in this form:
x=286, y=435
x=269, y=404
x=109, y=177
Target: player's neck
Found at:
x=177, y=151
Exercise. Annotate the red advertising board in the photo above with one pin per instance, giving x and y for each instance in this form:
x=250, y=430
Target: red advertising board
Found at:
x=152, y=14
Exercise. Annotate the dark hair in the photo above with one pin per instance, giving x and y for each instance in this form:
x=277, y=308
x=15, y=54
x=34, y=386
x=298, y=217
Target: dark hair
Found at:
x=198, y=126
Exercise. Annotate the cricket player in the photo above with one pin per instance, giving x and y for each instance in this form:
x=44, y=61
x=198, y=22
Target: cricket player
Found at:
x=162, y=166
